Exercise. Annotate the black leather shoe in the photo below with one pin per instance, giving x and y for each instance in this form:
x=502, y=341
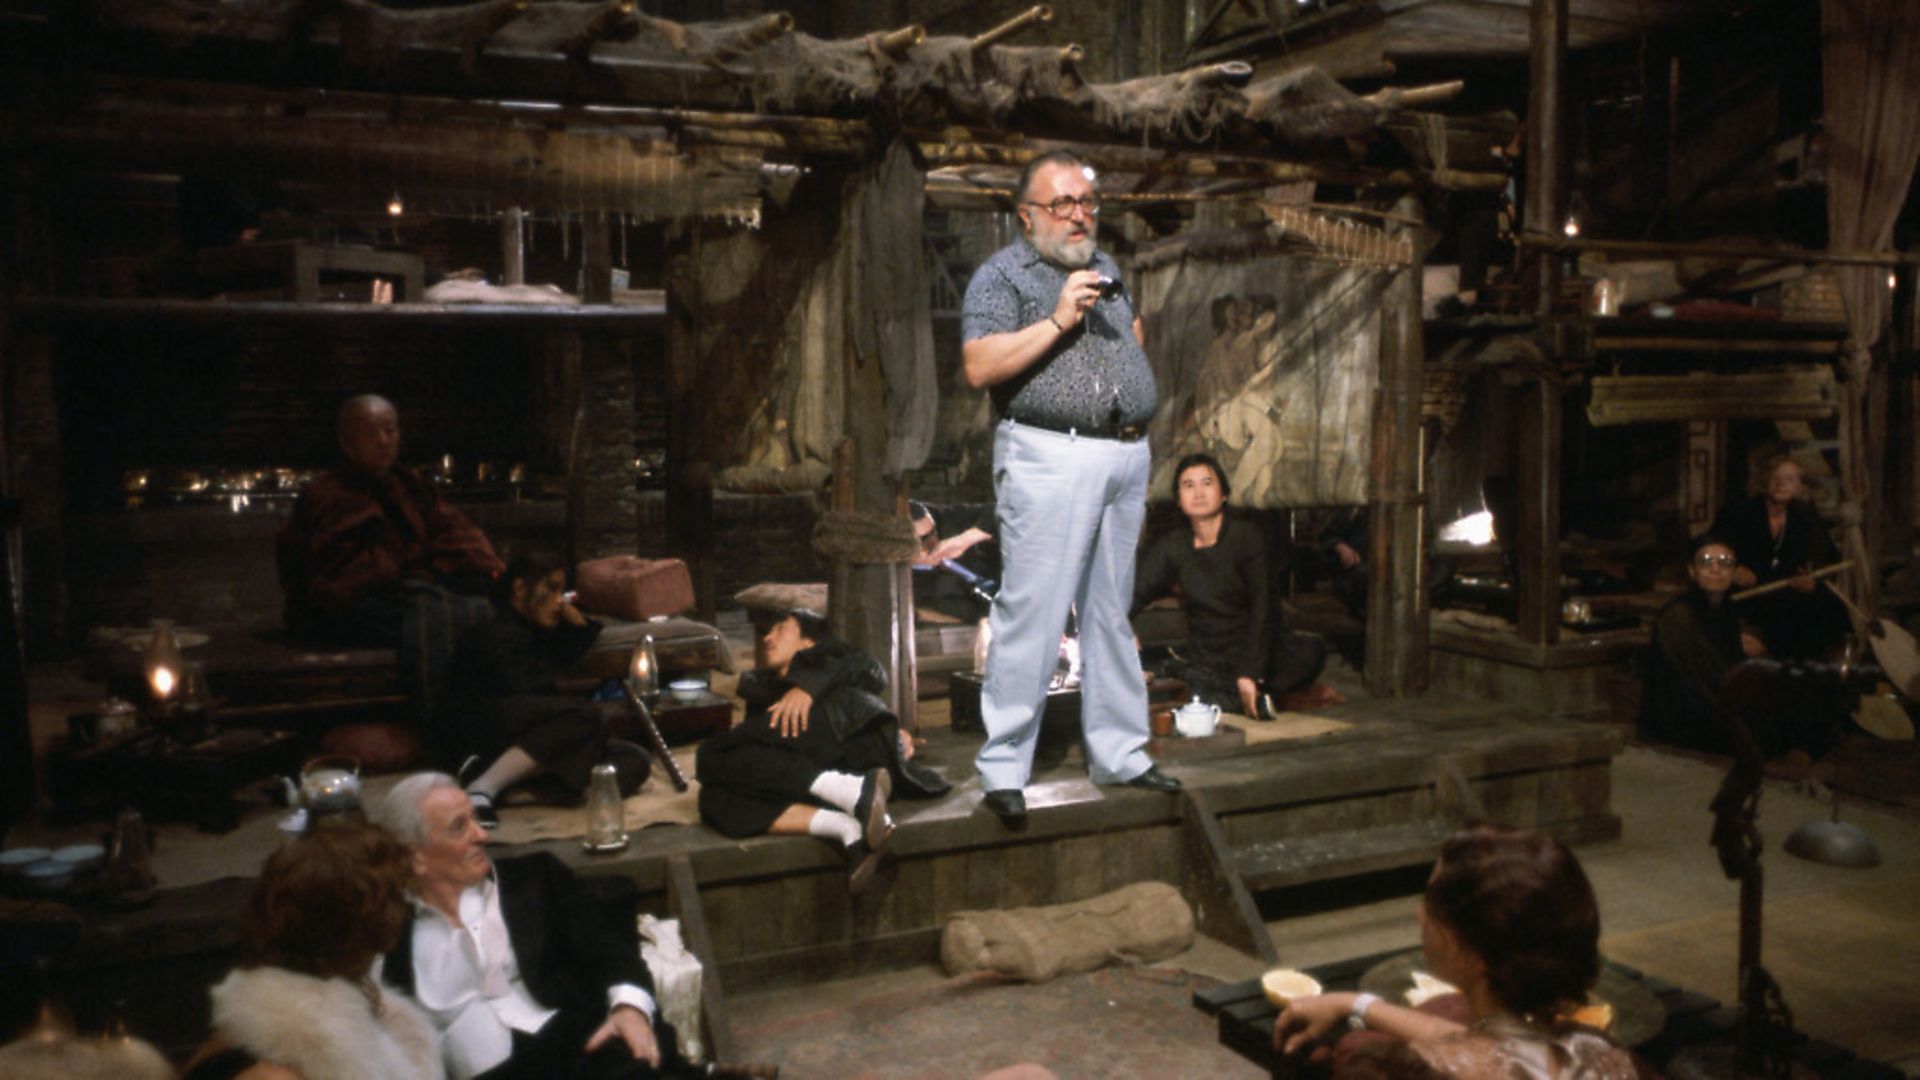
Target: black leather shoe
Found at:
x=1009, y=805
x=876, y=828
x=862, y=863
x=1154, y=780
x=1263, y=707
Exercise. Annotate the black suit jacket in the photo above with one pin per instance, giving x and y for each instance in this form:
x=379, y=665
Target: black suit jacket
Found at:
x=571, y=947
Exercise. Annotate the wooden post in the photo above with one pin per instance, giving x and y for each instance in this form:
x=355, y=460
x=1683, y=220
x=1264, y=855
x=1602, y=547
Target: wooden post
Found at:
x=871, y=603
x=596, y=258
x=513, y=246
x=1902, y=442
x=690, y=474
x=1537, y=476
x=1537, y=458
x=1397, y=590
x=1546, y=96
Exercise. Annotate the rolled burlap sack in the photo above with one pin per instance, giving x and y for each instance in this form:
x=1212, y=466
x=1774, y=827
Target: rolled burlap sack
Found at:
x=1146, y=921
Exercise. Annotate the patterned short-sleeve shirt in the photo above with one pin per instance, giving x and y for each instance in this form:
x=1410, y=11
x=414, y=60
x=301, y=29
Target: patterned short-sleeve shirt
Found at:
x=1095, y=378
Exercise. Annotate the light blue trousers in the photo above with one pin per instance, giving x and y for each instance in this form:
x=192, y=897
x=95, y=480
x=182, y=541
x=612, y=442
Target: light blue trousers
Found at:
x=1070, y=513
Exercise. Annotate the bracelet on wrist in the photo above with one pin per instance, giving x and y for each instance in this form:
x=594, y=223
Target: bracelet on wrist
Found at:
x=1357, y=1016
x=1056, y=324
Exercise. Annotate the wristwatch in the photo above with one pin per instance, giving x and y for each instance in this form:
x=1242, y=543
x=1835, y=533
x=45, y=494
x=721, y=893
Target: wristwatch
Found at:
x=1357, y=1016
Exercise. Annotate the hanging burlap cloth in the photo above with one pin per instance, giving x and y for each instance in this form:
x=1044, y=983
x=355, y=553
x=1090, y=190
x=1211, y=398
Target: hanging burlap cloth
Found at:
x=1146, y=922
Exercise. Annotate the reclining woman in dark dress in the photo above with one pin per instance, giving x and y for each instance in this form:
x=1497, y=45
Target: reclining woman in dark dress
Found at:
x=1239, y=655
x=818, y=753
x=511, y=722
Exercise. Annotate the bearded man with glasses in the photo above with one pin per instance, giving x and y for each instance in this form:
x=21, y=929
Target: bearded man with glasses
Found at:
x=1050, y=331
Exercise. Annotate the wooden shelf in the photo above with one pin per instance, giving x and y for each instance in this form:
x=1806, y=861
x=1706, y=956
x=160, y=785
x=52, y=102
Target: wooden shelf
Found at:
x=52, y=313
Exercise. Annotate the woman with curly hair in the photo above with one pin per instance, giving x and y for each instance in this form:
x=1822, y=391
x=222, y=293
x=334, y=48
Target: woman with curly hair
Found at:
x=1510, y=919
x=305, y=1003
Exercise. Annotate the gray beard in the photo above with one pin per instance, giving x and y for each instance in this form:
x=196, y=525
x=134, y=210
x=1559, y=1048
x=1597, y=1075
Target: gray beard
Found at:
x=1073, y=255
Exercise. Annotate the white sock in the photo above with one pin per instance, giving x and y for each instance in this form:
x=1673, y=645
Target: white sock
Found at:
x=834, y=825
x=838, y=789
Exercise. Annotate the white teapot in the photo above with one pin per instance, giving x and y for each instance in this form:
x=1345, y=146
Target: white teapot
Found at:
x=1196, y=719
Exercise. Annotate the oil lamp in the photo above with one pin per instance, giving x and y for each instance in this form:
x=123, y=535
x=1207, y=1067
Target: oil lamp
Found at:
x=163, y=666
x=644, y=670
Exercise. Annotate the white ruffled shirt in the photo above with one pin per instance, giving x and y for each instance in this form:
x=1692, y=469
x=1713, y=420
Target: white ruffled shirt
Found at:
x=468, y=982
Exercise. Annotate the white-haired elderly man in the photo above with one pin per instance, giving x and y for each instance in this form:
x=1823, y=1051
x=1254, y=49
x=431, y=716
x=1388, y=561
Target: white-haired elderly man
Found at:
x=523, y=975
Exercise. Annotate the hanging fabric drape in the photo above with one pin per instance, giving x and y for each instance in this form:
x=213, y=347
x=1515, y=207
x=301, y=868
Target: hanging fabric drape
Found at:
x=1871, y=82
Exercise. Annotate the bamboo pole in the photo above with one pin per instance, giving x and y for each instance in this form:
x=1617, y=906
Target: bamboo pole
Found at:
x=1038, y=13
x=1228, y=73
x=761, y=31
x=1552, y=243
x=896, y=42
x=513, y=247
x=1397, y=97
x=1775, y=586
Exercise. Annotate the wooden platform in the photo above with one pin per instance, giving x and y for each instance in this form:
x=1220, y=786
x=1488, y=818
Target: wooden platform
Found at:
x=1570, y=677
x=774, y=911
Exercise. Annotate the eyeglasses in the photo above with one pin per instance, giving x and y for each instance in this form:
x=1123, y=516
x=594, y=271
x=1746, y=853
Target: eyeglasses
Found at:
x=1062, y=207
x=1725, y=562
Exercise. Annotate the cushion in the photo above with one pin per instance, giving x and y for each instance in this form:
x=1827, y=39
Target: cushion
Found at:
x=777, y=598
x=630, y=587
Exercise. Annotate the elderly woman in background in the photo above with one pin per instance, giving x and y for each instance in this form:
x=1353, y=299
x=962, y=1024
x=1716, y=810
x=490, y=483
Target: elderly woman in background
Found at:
x=1511, y=921
x=1239, y=655
x=1776, y=536
x=305, y=1004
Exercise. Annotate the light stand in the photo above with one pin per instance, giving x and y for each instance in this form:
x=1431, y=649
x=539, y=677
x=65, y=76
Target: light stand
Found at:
x=1765, y=1030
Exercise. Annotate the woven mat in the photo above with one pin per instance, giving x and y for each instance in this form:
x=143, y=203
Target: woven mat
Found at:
x=183, y=855
x=655, y=804
x=1288, y=725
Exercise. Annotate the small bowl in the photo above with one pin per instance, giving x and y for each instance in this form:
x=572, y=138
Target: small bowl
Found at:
x=81, y=857
x=14, y=861
x=687, y=689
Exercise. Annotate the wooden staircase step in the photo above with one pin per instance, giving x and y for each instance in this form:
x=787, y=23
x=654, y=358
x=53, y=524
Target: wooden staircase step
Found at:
x=1277, y=864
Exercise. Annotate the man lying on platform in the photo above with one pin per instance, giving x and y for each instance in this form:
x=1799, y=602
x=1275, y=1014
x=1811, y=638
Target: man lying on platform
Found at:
x=509, y=721
x=367, y=534
x=521, y=974
x=818, y=753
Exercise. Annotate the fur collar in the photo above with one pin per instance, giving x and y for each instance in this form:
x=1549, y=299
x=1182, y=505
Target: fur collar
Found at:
x=325, y=1028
